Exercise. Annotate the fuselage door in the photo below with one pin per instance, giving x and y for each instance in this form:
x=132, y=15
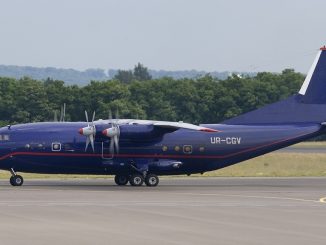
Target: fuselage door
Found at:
x=106, y=154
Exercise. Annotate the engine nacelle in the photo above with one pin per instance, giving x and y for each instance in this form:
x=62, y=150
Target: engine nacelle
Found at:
x=134, y=132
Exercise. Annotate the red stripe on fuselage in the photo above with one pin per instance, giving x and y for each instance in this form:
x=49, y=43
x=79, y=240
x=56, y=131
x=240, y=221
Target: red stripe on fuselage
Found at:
x=146, y=155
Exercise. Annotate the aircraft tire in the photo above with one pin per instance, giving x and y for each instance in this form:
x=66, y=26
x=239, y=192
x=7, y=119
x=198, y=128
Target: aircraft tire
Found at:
x=151, y=180
x=121, y=179
x=16, y=180
x=136, y=179
x=11, y=180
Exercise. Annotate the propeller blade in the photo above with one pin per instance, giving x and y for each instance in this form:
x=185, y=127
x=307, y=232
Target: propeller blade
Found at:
x=87, y=143
x=116, y=116
x=116, y=143
x=93, y=117
x=91, y=138
x=86, y=115
x=112, y=146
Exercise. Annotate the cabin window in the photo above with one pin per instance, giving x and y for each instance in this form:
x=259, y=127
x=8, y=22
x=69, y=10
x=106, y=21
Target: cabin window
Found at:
x=67, y=147
x=4, y=137
x=187, y=149
x=164, y=148
x=202, y=149
x=56, y=146
x=177, y=148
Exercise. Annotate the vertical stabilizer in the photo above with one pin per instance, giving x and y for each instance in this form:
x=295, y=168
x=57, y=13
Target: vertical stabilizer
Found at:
x=314, y=86
x=309, y=105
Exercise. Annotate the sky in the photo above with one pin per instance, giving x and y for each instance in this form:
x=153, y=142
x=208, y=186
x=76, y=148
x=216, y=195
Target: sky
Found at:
x=209, y=35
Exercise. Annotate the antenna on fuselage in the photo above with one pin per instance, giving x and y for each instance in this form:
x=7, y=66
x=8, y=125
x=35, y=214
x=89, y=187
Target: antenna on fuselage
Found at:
x=55, y=117
x=63, y=112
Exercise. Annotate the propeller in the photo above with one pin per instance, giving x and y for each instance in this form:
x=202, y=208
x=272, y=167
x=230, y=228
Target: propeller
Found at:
x=89, y=131
x=113, y=132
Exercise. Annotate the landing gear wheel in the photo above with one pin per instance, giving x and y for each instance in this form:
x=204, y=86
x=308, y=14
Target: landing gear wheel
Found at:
x=121, y=179
x=11, y=180
x=151, y=180
x=136, y=179
x=16, y=180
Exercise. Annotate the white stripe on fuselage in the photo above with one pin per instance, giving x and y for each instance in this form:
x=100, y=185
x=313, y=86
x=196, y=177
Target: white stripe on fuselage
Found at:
x=309, y=75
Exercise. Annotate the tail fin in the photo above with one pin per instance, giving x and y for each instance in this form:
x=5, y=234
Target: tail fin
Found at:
x=313, y=90
x=309, y=105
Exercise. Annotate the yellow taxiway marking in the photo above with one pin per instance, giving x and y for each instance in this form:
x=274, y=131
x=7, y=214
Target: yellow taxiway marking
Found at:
x=323, y=200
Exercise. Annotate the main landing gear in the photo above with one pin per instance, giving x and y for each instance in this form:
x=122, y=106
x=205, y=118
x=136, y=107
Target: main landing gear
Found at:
x=137, y=179
x=15, y=180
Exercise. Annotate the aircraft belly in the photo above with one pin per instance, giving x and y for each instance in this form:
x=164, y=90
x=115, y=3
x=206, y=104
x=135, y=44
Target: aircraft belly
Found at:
x=55, y=164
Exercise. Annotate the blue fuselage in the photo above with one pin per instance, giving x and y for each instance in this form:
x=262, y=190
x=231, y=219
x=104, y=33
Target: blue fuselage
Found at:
x=59, y=148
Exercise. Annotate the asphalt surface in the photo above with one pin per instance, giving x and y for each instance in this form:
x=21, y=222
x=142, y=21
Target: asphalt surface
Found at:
x=179, y=211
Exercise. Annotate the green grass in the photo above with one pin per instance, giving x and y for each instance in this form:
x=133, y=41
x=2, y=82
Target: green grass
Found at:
x=310, y=144
x=278, y=164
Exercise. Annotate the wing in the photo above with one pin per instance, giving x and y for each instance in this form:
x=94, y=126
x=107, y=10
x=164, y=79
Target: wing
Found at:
x=179, y=125
x=146, y=130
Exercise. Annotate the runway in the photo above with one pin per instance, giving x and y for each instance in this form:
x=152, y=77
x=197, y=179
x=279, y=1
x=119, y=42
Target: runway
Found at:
x=179, y=211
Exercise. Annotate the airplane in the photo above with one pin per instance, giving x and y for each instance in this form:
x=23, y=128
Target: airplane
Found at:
x=138, y=151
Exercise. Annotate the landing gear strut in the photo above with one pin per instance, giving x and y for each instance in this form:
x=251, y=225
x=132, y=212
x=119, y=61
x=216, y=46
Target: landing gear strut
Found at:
x=15, y=180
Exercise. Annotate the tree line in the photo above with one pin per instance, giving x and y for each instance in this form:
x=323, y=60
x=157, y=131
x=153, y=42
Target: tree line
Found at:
x=202, y=100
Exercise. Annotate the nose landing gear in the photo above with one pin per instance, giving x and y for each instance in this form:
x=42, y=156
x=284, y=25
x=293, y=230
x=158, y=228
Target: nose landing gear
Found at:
x=15, y=180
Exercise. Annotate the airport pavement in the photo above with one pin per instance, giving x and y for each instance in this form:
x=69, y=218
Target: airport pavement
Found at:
x=179, y=211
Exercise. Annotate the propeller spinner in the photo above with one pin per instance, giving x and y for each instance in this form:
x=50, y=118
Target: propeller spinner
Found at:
x=89, y=131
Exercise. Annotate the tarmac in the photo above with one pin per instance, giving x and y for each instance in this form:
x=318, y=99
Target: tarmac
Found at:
x=179, y=211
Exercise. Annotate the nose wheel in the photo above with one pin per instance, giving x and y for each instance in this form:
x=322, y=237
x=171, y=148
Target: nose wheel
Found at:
x=16, y=180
